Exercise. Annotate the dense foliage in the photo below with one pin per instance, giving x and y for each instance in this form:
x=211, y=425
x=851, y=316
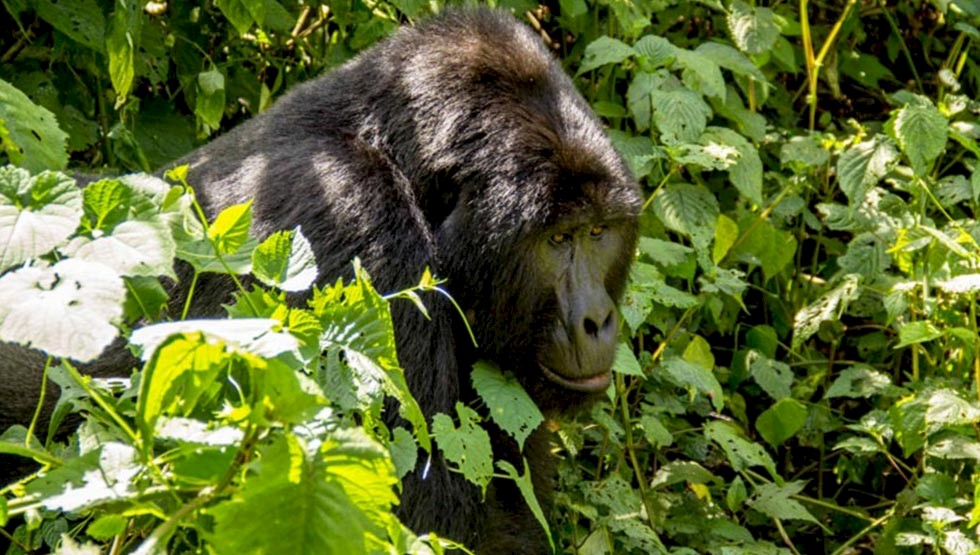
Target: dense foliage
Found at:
x=800, y=367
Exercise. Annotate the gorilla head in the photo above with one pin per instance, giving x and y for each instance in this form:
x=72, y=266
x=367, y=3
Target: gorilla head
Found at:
x=534, y=214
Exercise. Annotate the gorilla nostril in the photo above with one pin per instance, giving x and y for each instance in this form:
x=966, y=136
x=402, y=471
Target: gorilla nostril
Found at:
x=591, y=329
x=608, y=323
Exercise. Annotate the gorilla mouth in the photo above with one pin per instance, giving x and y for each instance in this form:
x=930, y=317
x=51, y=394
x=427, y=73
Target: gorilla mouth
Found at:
x=591, y=384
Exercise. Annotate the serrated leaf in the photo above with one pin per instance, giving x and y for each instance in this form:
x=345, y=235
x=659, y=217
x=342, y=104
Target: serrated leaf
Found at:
x=946, y=408
x=132, y=248
x=680, y=114
x=753, y=29
x=774, y=501
x=230, y=228
x=285, y=260
x=106, y=474
x=658, y=51
x=746, y=172
x=242, y=13
x=807, y=151
x=781, y=421
x=404, y=451
x=859, y=381
x=665, y=253
x=726, y=232
x=690, y=210
x=731, y=59
x=335, y=501
x=681, y=471
x=917, y=332
x=66, y=310
x=467, y=447
x=602, y=51
x=741, y=453
x=695, y=378
x=29, y=134
x=827, y=308
x=37, y=214
x=701, y=74
x=625, y=362
x=861, y=166
x=258, y=336
x=921, y=130
x=510, y=406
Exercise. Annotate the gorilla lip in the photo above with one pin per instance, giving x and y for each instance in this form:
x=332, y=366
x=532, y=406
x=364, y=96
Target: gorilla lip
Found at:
x=591, y=384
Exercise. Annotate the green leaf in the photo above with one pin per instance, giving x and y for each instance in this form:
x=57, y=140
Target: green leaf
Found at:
x=526, y=487
x=860, y=382
x=753, y=29
x=625, y=362
x=122, y=43
x=827, y=308
x=357, y=319
x=676, y=472
x=917, y=332
x=66, y=310
x=602, y=51
x=746, y=173
x=681, y=115
x=258, y=336
x=510, y=406
x=741, y=453
x=701, y=74
x=285, y=260
x=664, y=253
x=467, y=447
x=774, y=501
x=781, y=421
x=955, y=448
x=105, y=527
x=210, y=104
x=658, y=51
x=336, y=500
x=404, y=451
x=242, y=13
x=731, y=59
x=921, y=131
x=690, y=210
x=699, y=352
x=81, y=20
x=655, y=432
x=773, y=376
x=29, y=134
x=694, y=377
x=726, y=232
x=107, y=474
x=945, y=408
x=230, y=228
x=37, y=214
x=862, y=166
x=806, y=151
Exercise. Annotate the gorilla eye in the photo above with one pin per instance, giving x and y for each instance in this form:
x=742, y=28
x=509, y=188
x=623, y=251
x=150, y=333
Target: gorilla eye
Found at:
x=597, y=230
x=559, y=238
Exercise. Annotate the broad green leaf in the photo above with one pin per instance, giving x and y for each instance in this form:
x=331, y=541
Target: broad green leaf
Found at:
x=917, y=332
x=242, y=13
x=694, y=378
x=639, y=101
x=682, y=471
x=753, y=29
x=701, y=74
x=526, y=487
x=133, y=248
x=258, y=336
x=356, y=319
x=285, y=260
x=467, y=447
x=665, y=253
x=230, y=228
x=29, y=134
x=105, y=475
x=122, y=43
x=730, y=59
x=741, y=453
x=228, y=246
x=867, y=255
x=746, y=173
x=862, y=166
x=860, y=381
x=726, y=232
x=105, y=527
x=806, y=151
x=908, y=419
x=336, y=500
x=602, y=51
x=210, y=105
x=774, y=501
x=690, y=210
x=81, y=20
x=946, y=408
x=699, y=352
x=655, y=432
x=66, y=310
x=510, y=406
x=827, y=308
x=921, y=131
x=658, y=51
x=773, y=376
x=781, y=421
x=625, y=362
x=956, y=448
x=680, y=114
x=404, y=451
x=37, y=214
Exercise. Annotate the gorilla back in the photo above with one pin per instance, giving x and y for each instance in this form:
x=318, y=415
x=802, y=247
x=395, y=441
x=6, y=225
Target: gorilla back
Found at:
x=458, y=145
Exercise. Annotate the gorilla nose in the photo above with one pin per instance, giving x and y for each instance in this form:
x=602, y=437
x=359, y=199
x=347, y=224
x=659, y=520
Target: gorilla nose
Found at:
x=595, y=335
x=599, y=329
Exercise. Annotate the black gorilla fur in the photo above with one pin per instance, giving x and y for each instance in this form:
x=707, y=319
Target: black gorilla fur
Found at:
x=458, y=145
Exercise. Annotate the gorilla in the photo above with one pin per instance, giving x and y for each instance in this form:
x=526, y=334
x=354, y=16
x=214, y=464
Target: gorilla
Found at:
x=459, y=145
